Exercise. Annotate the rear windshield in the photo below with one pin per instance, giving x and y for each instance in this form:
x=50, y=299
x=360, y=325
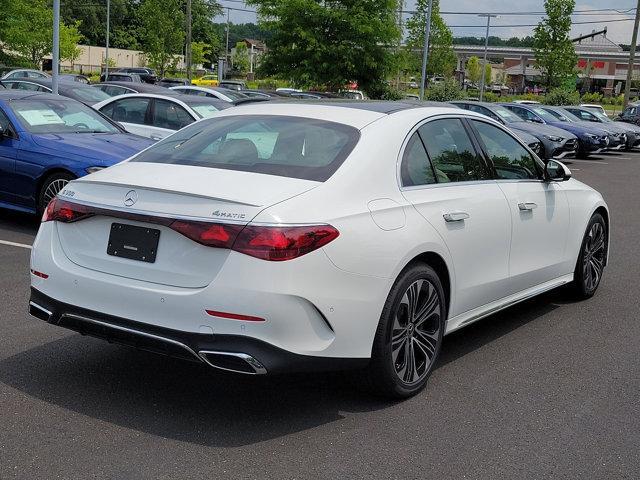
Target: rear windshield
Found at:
x=88, y=94
x=293, y=147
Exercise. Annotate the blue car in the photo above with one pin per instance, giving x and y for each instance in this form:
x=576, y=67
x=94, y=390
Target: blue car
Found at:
x=590, y=139
x=47, y=140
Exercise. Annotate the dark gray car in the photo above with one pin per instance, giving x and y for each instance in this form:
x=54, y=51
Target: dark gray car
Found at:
x=556, y=143
x=588, y=115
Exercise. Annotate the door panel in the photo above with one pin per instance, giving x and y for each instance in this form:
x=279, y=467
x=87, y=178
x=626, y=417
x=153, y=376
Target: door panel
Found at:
x=8, y=152
x=451, y=187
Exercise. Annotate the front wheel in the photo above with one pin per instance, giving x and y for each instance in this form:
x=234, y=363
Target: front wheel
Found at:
x=409, y=335
x=592, y=258
x=50, y=188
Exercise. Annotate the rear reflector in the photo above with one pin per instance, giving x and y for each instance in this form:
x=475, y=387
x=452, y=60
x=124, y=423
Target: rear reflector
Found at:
x=234, y=316
x=39, y=274
x=273, y=243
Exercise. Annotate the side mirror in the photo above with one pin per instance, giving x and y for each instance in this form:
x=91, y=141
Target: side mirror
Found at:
x=555, y=171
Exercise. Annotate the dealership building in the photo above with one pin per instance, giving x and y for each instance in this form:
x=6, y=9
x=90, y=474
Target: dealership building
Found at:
x=602, y=64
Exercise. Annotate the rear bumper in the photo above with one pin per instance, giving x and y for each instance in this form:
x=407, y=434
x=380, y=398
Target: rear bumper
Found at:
x=234, y=353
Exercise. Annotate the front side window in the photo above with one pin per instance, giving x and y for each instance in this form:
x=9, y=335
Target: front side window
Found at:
x=292, y=147
x=452, y=154
x=415, y=168
x=5, y=123
x=41, y=116
x=128, y=110
x=510, y=158
x=525, y=114
x=169, y=115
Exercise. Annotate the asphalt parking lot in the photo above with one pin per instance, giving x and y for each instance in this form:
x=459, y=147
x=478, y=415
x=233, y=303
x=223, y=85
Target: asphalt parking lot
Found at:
x=545, y=389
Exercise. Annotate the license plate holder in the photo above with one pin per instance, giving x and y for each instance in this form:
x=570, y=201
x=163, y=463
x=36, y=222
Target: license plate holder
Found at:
x=134, y=243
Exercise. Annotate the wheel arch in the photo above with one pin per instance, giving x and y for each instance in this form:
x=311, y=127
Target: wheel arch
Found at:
x=602, y=210
x=438, y=263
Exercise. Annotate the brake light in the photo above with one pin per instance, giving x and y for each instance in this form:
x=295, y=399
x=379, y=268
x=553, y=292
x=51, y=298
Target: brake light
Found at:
x=63, y=211
x=208, y=234
x=283, y=243
x=234, y=316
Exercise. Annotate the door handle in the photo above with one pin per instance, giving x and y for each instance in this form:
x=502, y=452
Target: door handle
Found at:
x=527, y=206
x=455, y=216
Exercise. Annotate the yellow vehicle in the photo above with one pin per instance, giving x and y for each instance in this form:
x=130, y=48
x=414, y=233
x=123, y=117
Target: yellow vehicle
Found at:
x=206, y=81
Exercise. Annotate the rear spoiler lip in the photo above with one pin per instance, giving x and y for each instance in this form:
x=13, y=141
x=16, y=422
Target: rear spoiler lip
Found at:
x=163, y=190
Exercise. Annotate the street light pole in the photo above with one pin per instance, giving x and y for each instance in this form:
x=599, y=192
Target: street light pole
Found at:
x=425, y=53
x=188, y=48
x=226, y=52
x=486, y=46
x=106, y=54
x=632, y=56
x=55, y=57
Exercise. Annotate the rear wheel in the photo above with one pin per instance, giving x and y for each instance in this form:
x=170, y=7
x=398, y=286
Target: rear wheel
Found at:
x=50, y=188
x=592, y=258
x=409, y=335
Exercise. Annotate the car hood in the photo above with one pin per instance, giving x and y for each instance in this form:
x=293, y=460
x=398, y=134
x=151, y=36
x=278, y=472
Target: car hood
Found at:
x=608, y=127
x=106, y=148
x=540, y=129
x=627, y=127
x=578, y=129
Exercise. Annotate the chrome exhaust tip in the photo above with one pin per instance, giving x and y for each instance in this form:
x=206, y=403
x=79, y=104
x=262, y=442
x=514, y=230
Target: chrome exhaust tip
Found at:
x=233, y=362
x=39, y=311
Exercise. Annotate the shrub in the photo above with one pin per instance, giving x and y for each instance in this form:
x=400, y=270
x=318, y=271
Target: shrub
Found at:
x=592, y=98
x=445, y=91
x=562, y=96
x=492, y=97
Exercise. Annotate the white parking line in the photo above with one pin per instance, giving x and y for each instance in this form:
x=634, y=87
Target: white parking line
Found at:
x=14, y=244
x=597, y=162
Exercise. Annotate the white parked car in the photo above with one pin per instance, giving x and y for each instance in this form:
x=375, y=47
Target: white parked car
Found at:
x=280, y=237
x=594, y=107
x=224, y=94
x=158, y=116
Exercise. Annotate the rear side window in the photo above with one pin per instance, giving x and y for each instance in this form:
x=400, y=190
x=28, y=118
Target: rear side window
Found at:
x=451, y=152
x=416, y=167
x=293, y=147
x=170, y=115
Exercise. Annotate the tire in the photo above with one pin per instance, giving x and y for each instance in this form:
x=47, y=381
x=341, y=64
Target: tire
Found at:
x=592, y=258
x=407, y=342
x=50, y=187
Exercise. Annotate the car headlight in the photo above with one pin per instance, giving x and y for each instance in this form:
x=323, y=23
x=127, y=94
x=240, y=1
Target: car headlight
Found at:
x=93, y=169
x=554, y=139
x=591, y=136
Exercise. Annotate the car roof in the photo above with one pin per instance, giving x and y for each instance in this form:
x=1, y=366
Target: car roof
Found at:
x=10, y=94
x=348, y=112
x=139, y=87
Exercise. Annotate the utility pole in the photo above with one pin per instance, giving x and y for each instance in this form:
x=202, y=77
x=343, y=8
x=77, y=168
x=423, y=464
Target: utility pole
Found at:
x=188, y=48
x=106, y=53
x=632, y=57
x=401, y=30
x=425, y=53
x=226, y=52
x=55, y=57
x=486, y=46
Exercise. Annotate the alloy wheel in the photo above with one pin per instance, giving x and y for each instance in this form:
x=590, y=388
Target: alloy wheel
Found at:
x=593, y=256
x=416, y=332
x=52, y=189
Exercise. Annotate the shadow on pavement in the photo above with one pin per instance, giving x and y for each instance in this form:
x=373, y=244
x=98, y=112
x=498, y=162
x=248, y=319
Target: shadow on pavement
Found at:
x=192, y=403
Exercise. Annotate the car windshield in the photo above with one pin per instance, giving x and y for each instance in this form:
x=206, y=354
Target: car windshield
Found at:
x=546, y=115
x=600, y=114
x=292, y=147
x=203, y=109
x=59, y=116
x=233, y=95
x=89, y=94
x=507, y=115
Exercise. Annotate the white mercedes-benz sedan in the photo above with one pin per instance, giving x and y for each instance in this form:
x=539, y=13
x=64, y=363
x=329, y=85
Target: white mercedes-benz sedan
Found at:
x=289, y=237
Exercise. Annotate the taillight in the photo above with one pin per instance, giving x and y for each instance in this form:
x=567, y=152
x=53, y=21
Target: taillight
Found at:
x=283, y=243
x=63, y=211
x=208, y=234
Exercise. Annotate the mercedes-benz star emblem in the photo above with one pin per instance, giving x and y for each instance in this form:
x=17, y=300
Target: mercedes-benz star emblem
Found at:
x=130, y=198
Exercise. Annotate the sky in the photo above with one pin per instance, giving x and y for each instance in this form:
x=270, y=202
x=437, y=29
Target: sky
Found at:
x=619, y=32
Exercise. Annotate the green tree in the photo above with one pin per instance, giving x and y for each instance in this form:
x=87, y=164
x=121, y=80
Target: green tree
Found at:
x=29, y=29
x=555, y=54
x=329, y=43
x=162, y=23
x=474, y=70
x=240, y=58
x=69, y=38
x=487, y=74
x=199, y=52
x=442, y=58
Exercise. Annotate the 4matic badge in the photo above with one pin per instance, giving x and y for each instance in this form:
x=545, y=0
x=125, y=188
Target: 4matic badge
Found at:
x=237, y=216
